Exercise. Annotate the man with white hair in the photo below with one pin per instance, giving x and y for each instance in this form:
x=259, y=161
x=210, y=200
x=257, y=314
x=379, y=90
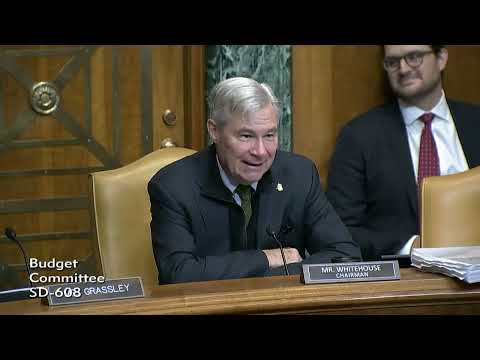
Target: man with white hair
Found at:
x=219, y=213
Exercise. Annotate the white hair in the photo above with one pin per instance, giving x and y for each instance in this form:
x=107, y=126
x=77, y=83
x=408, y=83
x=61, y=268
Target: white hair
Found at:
x=239, y=95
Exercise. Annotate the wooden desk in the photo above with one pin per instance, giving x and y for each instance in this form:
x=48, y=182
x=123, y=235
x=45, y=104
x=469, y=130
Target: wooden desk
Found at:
x=415, y=293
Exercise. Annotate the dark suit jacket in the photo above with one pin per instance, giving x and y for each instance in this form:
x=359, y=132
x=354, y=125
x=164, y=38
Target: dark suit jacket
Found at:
x=371, y=181
x=192, y=231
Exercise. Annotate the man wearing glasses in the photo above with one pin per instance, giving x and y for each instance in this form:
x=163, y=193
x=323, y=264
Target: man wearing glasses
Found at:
x=382, y=156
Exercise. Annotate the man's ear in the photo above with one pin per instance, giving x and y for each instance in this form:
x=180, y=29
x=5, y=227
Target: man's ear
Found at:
x=442, y=59
x=212, y=130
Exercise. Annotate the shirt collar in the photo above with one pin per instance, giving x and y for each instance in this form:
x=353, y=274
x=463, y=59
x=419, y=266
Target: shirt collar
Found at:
x=412, y=113
x=231, y=185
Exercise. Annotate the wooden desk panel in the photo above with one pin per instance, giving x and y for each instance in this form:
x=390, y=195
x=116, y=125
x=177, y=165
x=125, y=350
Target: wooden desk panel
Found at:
x=415, y=293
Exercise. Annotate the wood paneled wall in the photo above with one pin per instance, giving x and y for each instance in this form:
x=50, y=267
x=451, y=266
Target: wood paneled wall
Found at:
x=312, y=103
x=462, y=76
x=116, y=88
x=15, y=101
x=334, y=83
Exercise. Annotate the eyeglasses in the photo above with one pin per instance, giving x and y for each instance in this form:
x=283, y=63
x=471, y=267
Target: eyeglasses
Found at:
x=414, y=59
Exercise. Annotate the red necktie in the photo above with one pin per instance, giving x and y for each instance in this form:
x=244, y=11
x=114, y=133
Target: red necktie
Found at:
x=428, y=164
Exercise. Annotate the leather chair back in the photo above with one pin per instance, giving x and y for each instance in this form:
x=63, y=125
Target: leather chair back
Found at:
x=450, y=210
x=121, y=216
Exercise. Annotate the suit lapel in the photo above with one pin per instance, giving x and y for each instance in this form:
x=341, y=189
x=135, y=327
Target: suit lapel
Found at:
x=468, y=136
x=264, y=194
x=271, y=204
x=399, y=142
x=212, y=193
x=210, y=182
x=400, y=148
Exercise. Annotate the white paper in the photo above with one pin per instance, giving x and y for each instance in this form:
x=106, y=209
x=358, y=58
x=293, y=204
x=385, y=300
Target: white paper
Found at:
x=460, y=262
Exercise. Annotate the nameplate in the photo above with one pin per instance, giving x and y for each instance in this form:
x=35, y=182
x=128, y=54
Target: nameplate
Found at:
x=351, y=272
x=80, y=293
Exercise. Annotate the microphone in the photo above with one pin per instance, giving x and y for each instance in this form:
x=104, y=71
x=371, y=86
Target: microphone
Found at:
x=272, y=233
x=12, y=235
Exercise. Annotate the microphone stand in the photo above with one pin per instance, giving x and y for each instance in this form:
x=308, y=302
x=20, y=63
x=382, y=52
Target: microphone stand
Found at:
x=10, y=233
x=274, y=236
x=17, y=294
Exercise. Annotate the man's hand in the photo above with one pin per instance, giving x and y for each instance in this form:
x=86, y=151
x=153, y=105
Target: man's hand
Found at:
x=274, y=256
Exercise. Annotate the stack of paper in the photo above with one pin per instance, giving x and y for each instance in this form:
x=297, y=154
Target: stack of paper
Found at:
x=460, y=262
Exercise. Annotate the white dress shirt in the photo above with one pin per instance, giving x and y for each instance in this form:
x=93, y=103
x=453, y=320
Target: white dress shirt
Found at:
x=232, y=185
x=450, y=153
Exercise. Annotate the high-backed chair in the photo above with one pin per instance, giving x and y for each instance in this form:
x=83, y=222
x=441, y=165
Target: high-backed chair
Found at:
x=450, y=210
x=121, y=216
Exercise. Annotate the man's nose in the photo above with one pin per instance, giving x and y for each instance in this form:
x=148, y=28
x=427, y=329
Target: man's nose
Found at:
x=403, y=67
x=258, y=147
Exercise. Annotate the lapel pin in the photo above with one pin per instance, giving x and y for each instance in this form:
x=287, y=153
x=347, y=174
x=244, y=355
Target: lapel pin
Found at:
x=279, y=187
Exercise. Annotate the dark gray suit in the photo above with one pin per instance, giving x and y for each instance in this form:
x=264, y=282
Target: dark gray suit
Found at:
x=196, y=223
x=371, y=181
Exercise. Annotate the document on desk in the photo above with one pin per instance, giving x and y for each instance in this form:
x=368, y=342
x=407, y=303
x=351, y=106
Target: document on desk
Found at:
x=460, y=262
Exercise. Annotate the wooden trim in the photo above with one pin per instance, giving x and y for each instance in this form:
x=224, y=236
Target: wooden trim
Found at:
x=146, y=88
x=312, y=104
x=39, y=205
x=195, y=114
